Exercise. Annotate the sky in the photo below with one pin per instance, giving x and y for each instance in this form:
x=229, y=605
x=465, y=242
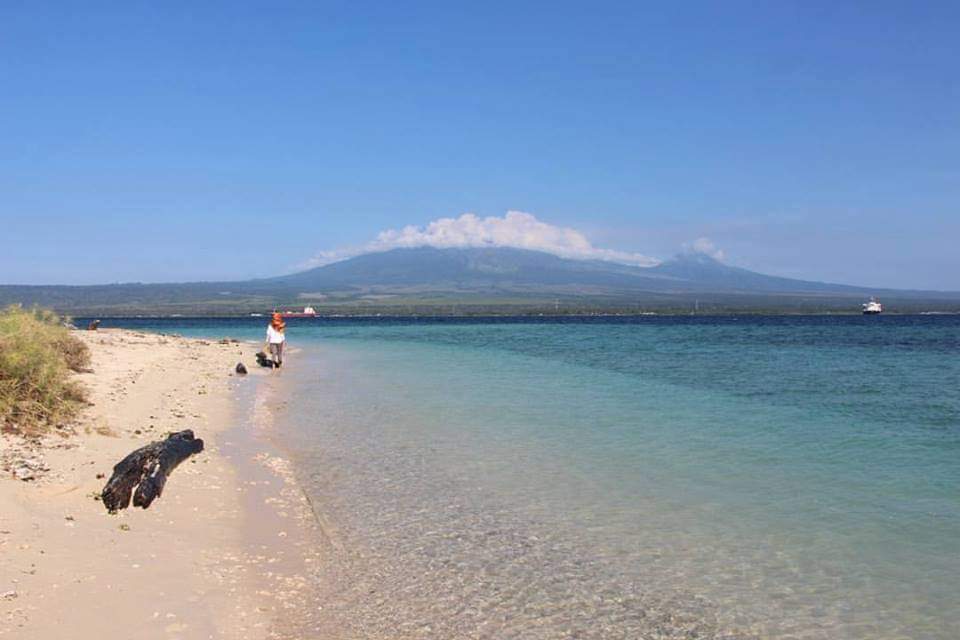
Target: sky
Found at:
x=172, y=141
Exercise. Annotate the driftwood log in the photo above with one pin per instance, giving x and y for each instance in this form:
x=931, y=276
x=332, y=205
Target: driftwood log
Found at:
x=147, y=469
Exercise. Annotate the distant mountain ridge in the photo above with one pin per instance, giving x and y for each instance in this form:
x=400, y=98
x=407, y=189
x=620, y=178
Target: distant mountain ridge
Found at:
x=503, y=267
x=480, y=278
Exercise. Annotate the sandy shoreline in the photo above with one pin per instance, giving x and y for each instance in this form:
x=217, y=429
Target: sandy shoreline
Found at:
x=220, y=555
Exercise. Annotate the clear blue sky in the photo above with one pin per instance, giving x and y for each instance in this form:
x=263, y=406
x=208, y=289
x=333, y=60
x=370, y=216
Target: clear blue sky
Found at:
x=164, y=141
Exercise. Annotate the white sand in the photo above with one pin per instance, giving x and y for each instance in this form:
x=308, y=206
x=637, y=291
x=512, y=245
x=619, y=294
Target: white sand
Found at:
x=185, y=568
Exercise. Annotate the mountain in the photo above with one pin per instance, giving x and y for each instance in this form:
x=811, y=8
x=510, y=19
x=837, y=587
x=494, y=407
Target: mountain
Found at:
x=509, y=270
x=427, y=280
x=462, y=270
x=708, y=274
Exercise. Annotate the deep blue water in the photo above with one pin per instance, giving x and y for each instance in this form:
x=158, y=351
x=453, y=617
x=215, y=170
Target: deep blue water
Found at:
x=776, y=476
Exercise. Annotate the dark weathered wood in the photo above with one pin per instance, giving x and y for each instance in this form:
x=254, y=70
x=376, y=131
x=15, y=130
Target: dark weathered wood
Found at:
x=265, y=361
x=147, y=469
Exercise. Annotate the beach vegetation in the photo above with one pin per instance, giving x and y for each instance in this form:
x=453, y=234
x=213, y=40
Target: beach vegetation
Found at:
x=38, y=356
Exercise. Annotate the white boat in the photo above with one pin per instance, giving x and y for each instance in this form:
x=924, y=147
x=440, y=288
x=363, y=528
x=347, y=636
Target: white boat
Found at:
x=308, y=312
x=872, y=308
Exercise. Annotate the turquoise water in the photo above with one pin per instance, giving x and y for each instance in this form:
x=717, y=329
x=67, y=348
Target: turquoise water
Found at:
x=659, y=477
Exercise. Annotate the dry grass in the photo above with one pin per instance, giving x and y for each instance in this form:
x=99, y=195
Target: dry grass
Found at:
x=37, y=356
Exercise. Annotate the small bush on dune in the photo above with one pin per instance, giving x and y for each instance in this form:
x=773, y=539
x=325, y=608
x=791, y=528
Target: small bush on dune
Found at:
x=37, y=354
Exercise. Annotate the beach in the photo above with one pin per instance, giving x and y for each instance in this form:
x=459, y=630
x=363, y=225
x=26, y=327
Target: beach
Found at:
x=639, y=322
x=216, y=556
x=544, y=480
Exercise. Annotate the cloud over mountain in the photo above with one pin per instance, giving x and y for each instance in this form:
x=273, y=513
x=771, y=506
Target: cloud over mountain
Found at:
x=515, y=229
x=706, y=247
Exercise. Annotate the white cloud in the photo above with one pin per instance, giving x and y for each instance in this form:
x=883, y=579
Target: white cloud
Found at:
x=515, y=229
x=706, y=247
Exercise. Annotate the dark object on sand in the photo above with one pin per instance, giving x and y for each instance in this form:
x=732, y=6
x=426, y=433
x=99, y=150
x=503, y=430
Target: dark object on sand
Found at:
x=93, y=325
x=147, y=468
x=265, y=361
x=242, y=370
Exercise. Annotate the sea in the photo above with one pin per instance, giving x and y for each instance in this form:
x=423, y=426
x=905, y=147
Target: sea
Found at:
x=624, y=477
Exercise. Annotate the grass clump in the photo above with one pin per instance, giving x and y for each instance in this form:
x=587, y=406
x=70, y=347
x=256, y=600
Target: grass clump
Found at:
x=37, y=355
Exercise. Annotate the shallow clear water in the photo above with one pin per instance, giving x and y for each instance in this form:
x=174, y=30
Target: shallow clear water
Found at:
x=657, y=477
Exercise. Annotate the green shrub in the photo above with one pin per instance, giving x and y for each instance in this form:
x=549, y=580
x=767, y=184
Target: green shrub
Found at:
x=37, y=354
